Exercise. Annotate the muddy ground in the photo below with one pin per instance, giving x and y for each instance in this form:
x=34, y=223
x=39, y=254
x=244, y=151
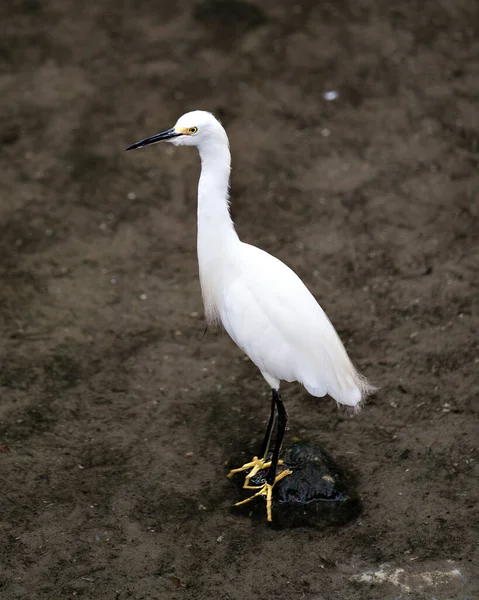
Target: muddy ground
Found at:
x=117, y=418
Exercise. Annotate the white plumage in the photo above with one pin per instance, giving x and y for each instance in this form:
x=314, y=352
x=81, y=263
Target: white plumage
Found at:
x=274, y=319
x=263, y=305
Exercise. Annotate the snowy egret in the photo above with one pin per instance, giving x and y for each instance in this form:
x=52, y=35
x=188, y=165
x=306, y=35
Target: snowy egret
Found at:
x=263, y=305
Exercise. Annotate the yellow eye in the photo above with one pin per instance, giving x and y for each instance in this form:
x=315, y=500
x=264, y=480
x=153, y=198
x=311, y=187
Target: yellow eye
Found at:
x=192, y=130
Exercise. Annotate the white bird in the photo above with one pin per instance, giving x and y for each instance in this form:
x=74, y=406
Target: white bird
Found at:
x=263, y=305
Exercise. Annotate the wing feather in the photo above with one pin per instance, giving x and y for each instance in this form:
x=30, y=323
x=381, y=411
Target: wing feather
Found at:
x=276, y=321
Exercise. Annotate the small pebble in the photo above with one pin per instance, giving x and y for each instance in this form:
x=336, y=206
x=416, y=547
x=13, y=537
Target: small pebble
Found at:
x=330, y=95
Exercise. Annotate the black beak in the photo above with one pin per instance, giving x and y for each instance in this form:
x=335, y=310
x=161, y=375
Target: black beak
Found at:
x=154, y=139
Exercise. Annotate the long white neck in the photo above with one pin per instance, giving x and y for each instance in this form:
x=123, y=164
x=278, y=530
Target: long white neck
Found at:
x=216, y=232
x=214, y=220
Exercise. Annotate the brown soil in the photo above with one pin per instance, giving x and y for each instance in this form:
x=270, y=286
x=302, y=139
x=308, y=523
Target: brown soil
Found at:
x=116, y=417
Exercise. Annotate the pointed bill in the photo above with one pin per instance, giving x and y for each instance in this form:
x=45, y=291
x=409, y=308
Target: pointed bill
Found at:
x=154, y=139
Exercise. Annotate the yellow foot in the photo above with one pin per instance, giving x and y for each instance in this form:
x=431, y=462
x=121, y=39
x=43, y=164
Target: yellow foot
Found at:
x=257, y=464
x=266, y=490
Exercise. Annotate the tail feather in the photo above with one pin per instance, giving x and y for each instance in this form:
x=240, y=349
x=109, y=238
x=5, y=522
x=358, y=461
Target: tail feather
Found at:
x=343, y=383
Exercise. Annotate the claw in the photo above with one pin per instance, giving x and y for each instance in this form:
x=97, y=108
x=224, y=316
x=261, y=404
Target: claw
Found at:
x=256, y=465
x=266, y=490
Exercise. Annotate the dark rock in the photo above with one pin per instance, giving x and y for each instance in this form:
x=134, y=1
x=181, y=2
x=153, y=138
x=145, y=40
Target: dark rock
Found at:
x=317, y=494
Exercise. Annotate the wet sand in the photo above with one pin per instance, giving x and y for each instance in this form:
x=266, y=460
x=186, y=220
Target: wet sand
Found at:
x=116, y=416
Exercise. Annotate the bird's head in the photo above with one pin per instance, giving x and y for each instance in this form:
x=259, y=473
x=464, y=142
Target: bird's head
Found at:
x=196, y=128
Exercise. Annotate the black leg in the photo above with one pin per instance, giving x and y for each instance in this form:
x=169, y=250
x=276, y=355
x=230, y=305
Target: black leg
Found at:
x=269, y=429
x=282, y=421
